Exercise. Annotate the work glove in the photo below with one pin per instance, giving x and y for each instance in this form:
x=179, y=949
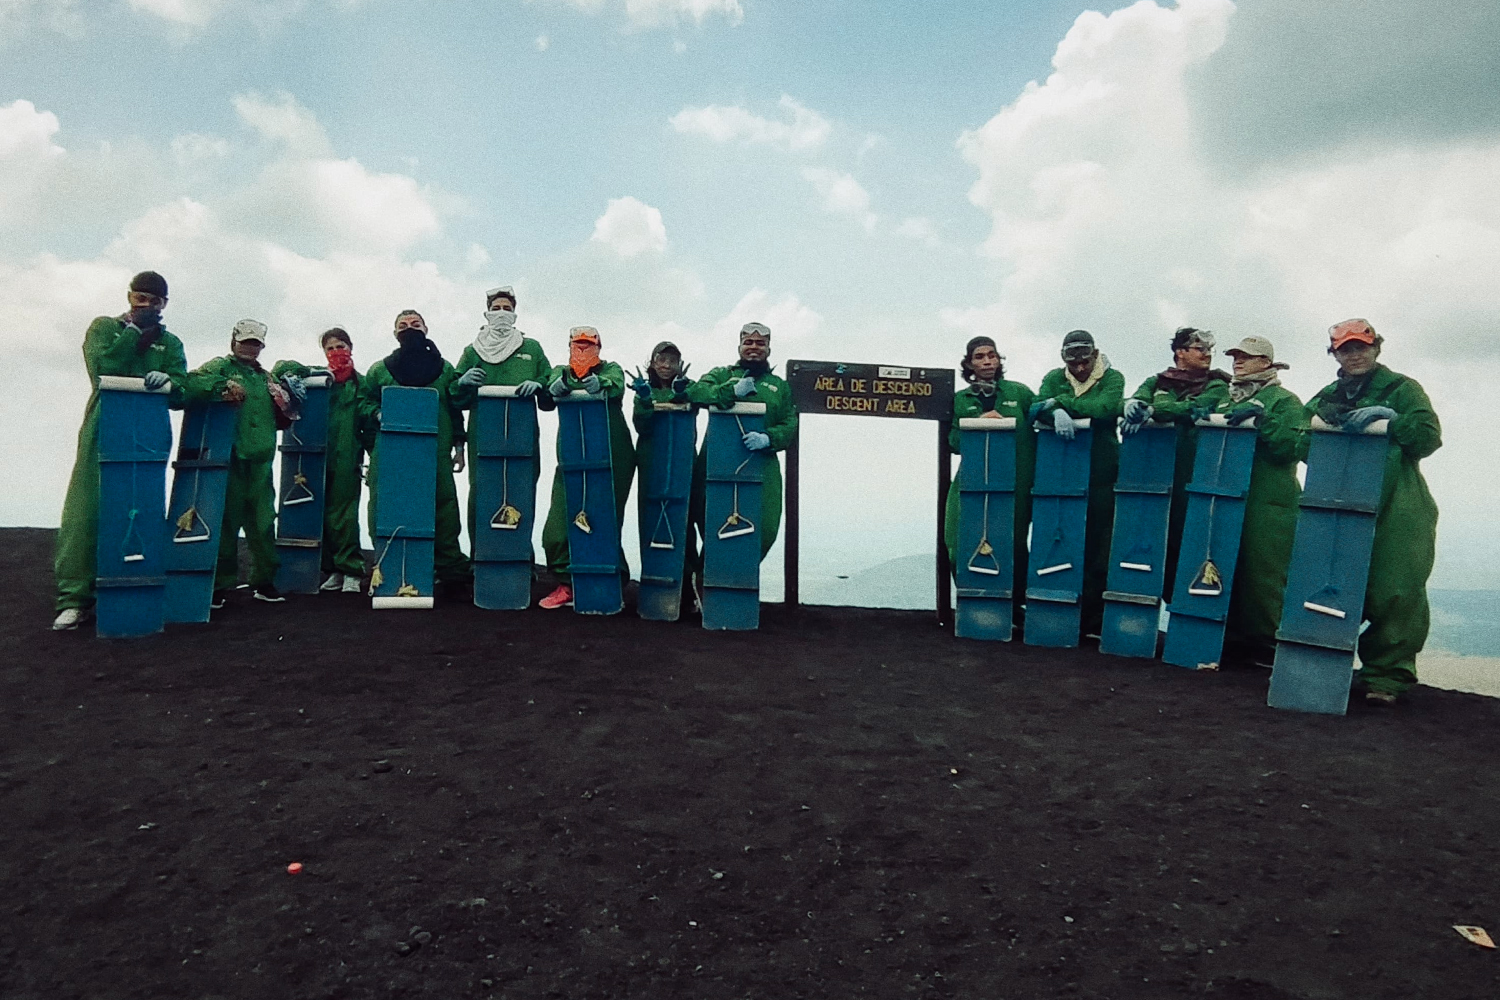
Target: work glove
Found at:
x=157, y=380
x=458, y=458
x=1039, y=407
x=295, y=387
x=757, y=440
x=1137, y=412
x=1063, y=424
x=680, y=383
x=558, y=387
x=744, y=387
x=591, y=383
x=641, y=387
x=474, y=376
x=1198, y=412
x=233, y=392
x=1358, y=420
x=528, y=388
x=1244, y=411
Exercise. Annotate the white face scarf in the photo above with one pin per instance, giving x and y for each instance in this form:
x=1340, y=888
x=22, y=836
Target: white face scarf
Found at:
x=498, y=339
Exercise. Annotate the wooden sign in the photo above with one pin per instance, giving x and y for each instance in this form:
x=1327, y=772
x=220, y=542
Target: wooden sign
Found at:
x=871, y=390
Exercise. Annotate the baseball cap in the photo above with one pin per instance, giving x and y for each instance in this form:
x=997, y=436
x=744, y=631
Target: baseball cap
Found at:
x=248, y=329
x=1350, y=329
x=1256, y=347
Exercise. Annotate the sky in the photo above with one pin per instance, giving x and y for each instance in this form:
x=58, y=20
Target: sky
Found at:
x=876, y=182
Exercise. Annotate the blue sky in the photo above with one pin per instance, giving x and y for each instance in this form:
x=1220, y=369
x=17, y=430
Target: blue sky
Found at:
x=878, y=182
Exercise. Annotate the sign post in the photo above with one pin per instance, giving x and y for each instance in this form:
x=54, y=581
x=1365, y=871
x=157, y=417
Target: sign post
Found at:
x=843, y=389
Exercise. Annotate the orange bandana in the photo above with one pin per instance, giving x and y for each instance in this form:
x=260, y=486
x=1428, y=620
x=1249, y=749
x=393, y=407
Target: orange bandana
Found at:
x=583, y=350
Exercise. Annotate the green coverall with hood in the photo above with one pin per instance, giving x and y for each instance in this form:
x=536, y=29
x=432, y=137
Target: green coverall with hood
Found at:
x=717, y=388
x=1405, y=527
x=621, y=450
x=417, y=363
x=1008, y=399
x=343, y=458
x=504, y=356
x=1097, y=398
x=1281, y=440
x=250, y=497
x=110, y=347
x=662, y=387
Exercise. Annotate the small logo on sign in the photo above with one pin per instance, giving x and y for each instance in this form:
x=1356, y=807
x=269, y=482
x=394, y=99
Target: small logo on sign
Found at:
x=895, y=372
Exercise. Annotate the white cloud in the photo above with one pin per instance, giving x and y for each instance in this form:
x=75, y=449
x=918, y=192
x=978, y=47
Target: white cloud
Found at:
x=920, y=228
x=283, y=120
x=804, y=129
x=841, y=194
x=664, y=13
x=192, y=13
x=26, y=133
x=791, y=322
x=629, y=226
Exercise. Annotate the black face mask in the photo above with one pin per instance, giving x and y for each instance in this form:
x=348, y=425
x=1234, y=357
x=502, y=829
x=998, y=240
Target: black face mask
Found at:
x=411, y=336
x=756, y=368
x=145, y=317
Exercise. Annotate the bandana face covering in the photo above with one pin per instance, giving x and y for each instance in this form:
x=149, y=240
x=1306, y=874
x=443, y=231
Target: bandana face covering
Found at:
x=583, y=353
x=340, y=363
x=498, y=339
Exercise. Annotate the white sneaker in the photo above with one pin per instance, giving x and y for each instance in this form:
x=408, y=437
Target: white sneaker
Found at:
x=334, y=582
x=67, y=619
x=351, y=584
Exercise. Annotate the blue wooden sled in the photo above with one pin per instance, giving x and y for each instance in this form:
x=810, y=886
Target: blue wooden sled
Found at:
x=985, y=569
x=663, y=510
x=1138, y=552
x=196, y=513
x=505, y=435
x=1059, y=515
x=1330, y=569
x=405, y=498
x=303, y=493
x=731, y=512
x=589, y=490
x=135, y=441
x=1210, y=543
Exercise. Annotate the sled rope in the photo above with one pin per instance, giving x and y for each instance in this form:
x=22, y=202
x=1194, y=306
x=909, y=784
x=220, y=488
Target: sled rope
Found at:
x=737, y=524
x=661, y=517
x=507, y=517
x=189, y=518
x=1209, y=582
x=581, y=519
x=299, y=480
x=984, y=549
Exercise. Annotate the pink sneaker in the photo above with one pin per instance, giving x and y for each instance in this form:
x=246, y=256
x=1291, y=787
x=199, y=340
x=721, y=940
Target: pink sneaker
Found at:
x=562, y=597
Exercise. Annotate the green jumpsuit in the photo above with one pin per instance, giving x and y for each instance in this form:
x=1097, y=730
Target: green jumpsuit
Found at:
x=1101, y=404
x=641, y=416
x=1405, y=534
x=621, y=460
x=1174, y=407
x=717, y=389
x=1012, y=399
x=342, y=484
x=250, y=498
x=109, y=348
x=450, y=565
x=528, y=363
x=1281, y=439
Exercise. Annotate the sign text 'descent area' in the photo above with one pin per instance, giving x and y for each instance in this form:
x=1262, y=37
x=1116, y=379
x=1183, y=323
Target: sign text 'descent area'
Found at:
x=871, y=390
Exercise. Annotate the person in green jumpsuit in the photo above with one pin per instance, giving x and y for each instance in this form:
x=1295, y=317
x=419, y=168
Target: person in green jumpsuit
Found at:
x=250, y=498
x=587, y=371
x=1281, y=440
x=990, y=394
x=664, y=381
x=750, y=381
x=1406, y=525
x=1182, y=394
x=417, y=363
x=1087, y=387
x=134, y=344
x=501, y=355
x=342, y=559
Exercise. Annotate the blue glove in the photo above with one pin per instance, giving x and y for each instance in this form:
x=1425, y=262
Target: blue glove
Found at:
x=1039, y=407
x=1244, y=411
x=642, y=387
x=591, y=383
x=744, y=387
x=474, y=376
x=1197, y=413
x=1137, y=412
x=1063, y=424
x=1358, y=420
x=680, y=384
x=757, y=440
x=157, y=380
x=528, y=388
x=558, y=387
x=295, y=387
